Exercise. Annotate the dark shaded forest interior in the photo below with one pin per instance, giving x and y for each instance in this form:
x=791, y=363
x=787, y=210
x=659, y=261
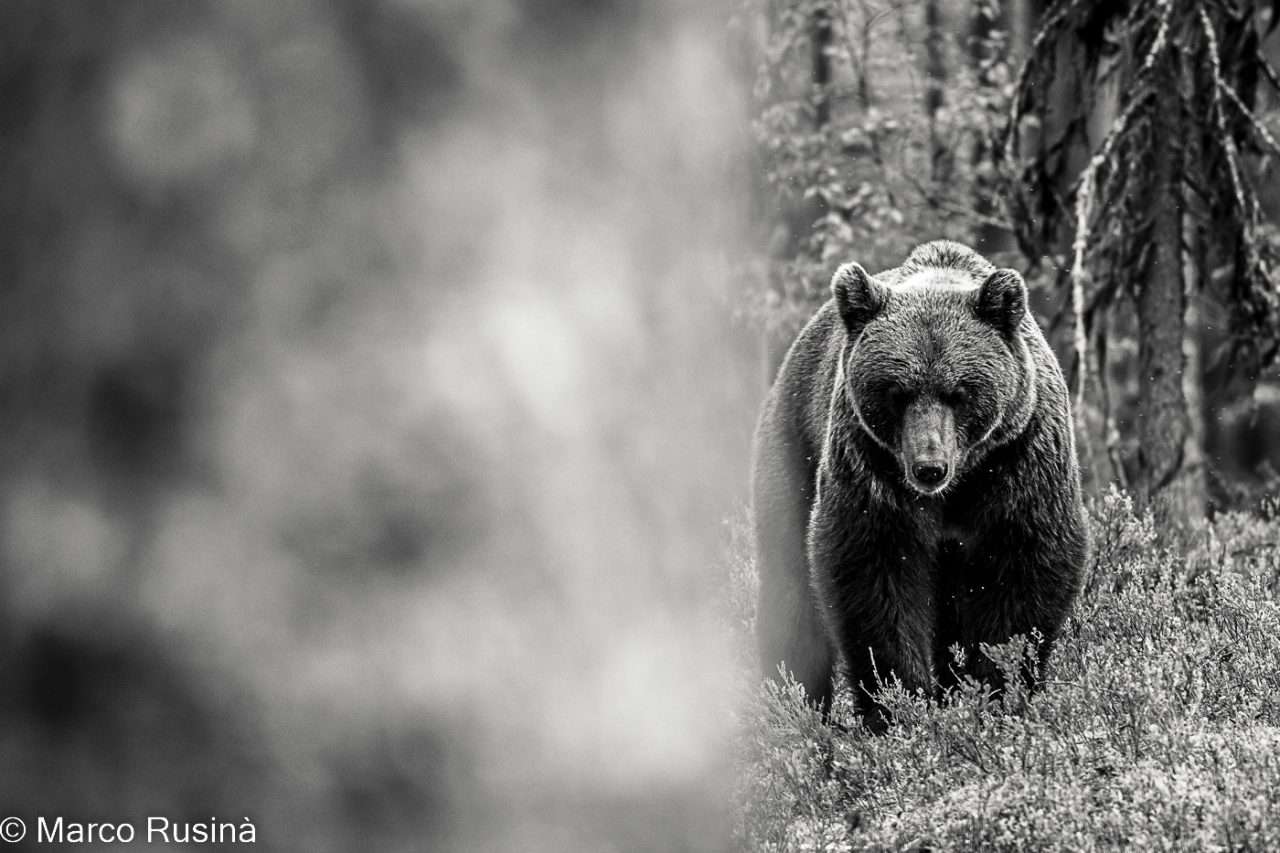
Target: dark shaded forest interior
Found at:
x=378, y=376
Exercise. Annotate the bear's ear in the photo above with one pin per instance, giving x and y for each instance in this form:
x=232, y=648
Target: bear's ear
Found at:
x=1001, y=301
x=859, y=297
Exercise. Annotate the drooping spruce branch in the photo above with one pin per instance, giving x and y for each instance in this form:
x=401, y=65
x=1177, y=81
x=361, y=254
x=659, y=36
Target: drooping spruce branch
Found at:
x=1094, y=34
x=1165, y=79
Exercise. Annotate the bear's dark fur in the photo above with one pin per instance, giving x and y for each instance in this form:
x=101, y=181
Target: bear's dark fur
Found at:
x=915, y=482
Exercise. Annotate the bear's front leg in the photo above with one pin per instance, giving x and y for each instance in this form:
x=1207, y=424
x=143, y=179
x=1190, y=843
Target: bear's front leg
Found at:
x=873, y=577
x=1014, y=584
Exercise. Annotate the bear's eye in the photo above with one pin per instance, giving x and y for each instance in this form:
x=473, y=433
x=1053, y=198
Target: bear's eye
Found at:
x=958, y=395
x=895, y=394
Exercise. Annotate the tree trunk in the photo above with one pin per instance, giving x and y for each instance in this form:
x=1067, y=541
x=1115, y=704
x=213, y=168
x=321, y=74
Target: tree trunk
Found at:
x=821, y=35
x=1163, y=478
x=934, y=97
x=986, y=21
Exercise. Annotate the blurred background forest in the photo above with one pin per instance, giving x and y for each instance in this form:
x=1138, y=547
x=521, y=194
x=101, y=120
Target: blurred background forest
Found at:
x=378, y=376
x=371, y=417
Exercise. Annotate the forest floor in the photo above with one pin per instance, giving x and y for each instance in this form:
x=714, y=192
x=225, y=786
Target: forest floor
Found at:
x=1158, y=727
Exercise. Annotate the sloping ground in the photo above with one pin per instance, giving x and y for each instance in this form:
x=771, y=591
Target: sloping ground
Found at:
x=1158, y=727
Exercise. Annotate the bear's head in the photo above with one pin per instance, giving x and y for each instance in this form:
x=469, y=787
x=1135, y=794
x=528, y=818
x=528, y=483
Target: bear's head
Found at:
x=937, y=366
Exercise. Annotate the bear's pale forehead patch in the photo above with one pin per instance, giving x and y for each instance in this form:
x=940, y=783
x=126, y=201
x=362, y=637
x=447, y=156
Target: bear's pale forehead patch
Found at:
x=933, y=277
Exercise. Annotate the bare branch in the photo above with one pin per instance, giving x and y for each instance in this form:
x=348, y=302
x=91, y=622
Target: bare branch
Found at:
x=1228, y=143
x=1249, y=116
x=1054, y=20
x=1084, y=212
x=1267, y=70
x=1162, y=34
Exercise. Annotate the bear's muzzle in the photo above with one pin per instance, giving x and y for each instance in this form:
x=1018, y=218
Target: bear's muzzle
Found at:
x=929, y=447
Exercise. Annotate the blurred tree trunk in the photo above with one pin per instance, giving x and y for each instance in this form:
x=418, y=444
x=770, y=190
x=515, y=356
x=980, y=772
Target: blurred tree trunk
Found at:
x=990, y=17
x=820, y=41
x=935, y=84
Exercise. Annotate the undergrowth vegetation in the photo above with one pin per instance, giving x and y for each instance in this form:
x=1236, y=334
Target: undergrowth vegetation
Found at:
x=1158, y=725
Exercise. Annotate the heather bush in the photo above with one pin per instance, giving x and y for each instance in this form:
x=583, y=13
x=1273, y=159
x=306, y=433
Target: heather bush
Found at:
x=1157, y=725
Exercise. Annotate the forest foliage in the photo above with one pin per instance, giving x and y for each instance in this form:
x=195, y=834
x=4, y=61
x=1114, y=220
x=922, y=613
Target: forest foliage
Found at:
x=885, y=142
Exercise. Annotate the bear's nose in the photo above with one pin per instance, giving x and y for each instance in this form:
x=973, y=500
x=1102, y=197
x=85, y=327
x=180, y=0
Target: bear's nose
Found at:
x=929, y=473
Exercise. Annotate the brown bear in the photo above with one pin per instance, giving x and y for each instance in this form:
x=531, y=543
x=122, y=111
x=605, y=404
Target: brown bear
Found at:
x=915, y=483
